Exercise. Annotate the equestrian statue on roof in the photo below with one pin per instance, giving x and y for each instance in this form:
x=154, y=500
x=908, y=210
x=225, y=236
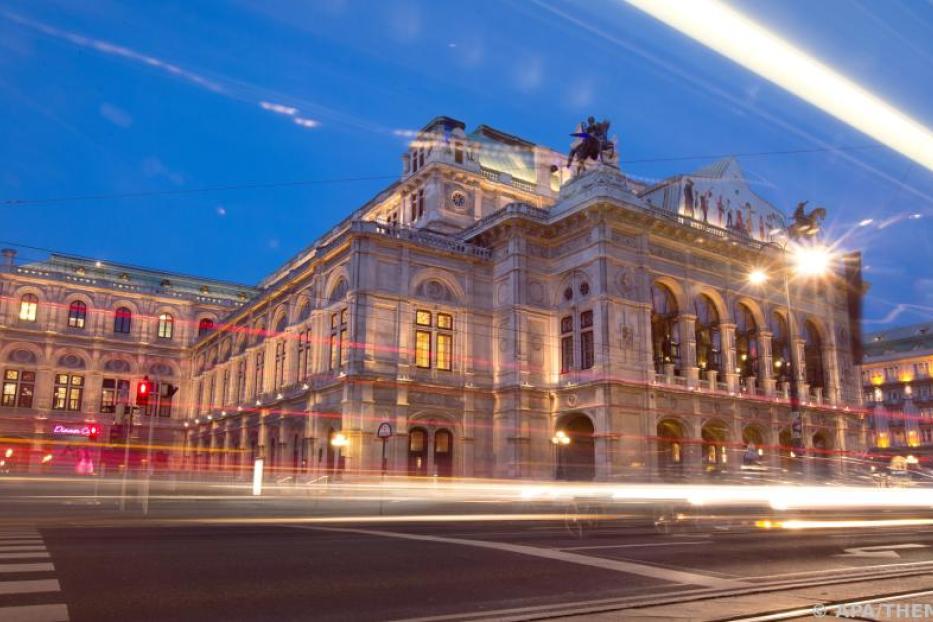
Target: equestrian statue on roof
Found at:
x=592, y=143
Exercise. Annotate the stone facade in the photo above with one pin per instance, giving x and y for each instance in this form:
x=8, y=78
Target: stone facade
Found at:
x=75, y=337
x=489, y=300
x=897, y=383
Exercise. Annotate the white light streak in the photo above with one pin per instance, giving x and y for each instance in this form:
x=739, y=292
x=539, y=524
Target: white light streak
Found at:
x=306, y=122
x=278, y=108
x=742, y=40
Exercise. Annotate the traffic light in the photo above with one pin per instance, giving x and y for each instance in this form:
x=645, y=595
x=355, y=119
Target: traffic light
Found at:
x=143, y=391
x=92, y=433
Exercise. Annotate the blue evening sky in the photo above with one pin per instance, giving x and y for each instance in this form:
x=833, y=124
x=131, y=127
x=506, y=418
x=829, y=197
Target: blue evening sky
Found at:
x=103, y=98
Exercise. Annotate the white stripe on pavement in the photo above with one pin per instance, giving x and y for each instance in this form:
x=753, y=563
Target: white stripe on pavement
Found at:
x=28, y=587
x=622, y=546
x=24, y=547
x=34, y=613
x=655, y=572
x=23, y=555
x=21, y=541
x=27, y=567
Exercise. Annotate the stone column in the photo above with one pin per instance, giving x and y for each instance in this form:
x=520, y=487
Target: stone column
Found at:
x=686, y=326
x=727, y=339
x=765, y=363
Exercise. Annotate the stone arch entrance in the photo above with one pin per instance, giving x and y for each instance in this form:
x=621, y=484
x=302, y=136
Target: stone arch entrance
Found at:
x=753, y=441
x=822, y=455
x=715, y=435
x=444, y=452
x=576, y=459
x=417, y=451
x=670, y=448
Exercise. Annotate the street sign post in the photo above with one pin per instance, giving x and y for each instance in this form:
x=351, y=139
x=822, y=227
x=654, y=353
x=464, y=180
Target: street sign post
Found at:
x=384, y=431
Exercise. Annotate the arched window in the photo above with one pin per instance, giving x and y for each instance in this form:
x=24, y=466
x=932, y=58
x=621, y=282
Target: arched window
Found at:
x=813, y=356
x=708, y=335
x=166, y=326
x=28, y=305
x=746, y=342
x=205, y=326
x=77, y=314
x=780, y=347
x=122, y=321
x=664, y=333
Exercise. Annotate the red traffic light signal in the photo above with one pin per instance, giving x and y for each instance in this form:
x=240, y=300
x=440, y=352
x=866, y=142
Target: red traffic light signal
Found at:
x=143, y=390
x=92, y=433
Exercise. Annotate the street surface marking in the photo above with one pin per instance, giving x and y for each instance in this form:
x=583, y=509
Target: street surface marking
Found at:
x=5, y=541
x=26, y=567
x=34, y=613
x=624, y=546
x=655, y=572
x=23, y=555
x=38, y=546
x=28, y=587
x=883, y=550
x=826, y=609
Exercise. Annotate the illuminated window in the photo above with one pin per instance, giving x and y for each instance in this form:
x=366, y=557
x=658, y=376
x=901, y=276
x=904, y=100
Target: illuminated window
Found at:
x=434, y=347
x=122, y=321
x=338, y=339
x=68, y=392
x=27, y=308
x=19, y=386
x=205, y=326
x=166, y=326
x=113, y=391
x=423, y=349
x=77, y=314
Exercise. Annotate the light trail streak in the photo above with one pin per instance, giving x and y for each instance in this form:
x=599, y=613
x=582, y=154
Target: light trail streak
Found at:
x=744, y=41
x=798, y=525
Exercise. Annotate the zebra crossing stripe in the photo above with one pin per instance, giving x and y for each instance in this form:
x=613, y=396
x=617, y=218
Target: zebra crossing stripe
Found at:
x=28, y=587
x=26, y=568
x=22, y=547
x=42, y=554
x=34, y=613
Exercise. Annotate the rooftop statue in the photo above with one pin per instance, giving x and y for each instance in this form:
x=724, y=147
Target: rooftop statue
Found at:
x=806, y=225
x=592, y=143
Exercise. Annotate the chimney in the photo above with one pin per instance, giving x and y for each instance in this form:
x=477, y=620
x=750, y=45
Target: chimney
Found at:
x=9, y=256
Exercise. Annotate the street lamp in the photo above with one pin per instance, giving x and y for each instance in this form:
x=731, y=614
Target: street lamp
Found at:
x=810, y=260
x=560, y=440
x=338, y=441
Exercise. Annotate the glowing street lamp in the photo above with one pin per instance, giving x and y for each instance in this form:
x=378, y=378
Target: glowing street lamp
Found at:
x=757, y=276
x=338, y=442
x=560, y=440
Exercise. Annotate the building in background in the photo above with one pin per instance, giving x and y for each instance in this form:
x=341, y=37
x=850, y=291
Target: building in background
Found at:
x=502, y=314
x=899, y=389
x=76, y=335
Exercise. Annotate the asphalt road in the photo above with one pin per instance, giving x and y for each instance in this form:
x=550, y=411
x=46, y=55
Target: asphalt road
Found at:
x=405, y=570
x=252, y=560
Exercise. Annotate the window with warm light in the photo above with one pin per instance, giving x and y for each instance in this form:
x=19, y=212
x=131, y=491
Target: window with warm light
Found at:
x=19, y=387
x=434, y=340
x=77, y=314
x=28, y=306
x=68, y=392
x=166, y=326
